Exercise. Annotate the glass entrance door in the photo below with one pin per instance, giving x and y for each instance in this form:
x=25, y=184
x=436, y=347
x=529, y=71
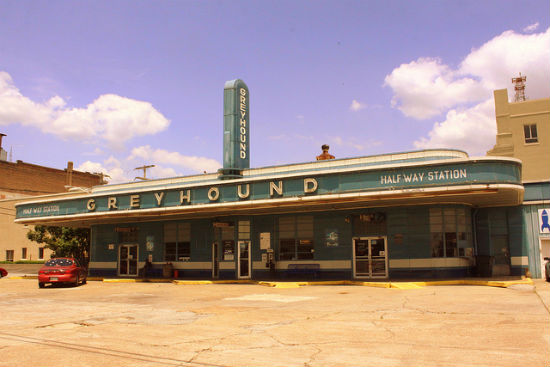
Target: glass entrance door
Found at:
x=128, y=260
x=243, y=261
x=369, y=257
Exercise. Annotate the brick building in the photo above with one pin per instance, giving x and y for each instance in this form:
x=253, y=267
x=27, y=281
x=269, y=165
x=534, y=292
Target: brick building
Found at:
x=22, y=180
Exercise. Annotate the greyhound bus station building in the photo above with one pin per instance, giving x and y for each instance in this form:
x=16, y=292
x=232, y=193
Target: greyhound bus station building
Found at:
x=421, y=214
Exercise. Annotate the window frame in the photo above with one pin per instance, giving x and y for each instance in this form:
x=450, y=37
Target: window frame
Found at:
x=450, y=230
x=529, y=129
x=180, y=245
x=298, y=233
x=10, y=255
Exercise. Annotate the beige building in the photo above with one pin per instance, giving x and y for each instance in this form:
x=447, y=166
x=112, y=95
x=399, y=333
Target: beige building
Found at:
x=20, y=180
x=14, y=245
x=523, y=132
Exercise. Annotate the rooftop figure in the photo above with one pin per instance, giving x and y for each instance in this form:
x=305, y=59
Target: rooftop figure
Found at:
x=325, y=155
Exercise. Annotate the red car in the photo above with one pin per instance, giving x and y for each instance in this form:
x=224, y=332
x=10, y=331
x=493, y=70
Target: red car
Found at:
x=62, y=270
x=3, y=272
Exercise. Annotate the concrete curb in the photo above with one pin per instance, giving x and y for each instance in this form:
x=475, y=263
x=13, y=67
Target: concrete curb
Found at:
x=202, y=282
x=401, y=285
x=125, y=280
x=278, y=284
x=23, y=277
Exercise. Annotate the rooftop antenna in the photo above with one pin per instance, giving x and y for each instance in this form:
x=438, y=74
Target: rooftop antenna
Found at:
x=144, y=168
x=520, y=88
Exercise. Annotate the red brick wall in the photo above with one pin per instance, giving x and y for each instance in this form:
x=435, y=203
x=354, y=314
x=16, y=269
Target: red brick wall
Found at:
x=31, y=179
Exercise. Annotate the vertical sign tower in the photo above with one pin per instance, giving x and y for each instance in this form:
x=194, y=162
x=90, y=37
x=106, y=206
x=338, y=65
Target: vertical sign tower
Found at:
x=236, y=129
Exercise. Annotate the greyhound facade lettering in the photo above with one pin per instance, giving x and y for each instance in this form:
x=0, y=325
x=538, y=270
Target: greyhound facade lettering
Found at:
x=185, y=196
x=243, y=108
x=412, y=177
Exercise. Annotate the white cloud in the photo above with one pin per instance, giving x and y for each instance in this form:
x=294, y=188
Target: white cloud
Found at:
x=356, y=105
x=426, y=88
x=160, y=171
x=472, y=130
x=167, y=164
x=505, y=56
x=111, y=167
x=164, y=157
x=110, y=117
x=531, y=27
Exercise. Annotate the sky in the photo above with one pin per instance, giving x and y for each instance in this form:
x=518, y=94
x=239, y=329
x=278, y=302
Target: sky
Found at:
x=114, y=85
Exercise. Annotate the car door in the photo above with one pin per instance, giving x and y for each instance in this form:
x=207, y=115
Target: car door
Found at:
x=81, y=270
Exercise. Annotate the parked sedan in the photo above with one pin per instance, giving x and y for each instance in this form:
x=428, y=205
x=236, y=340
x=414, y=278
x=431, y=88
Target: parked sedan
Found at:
x=3, y=272
x=62, y=270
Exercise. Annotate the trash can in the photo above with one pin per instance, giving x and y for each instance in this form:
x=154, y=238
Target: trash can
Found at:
x=484, y=265
x=167, y=270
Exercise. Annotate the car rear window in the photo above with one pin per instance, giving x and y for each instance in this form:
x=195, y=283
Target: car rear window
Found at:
x=59, y=262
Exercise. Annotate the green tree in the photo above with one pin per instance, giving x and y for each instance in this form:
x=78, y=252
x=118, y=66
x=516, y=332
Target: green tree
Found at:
x=63, y=241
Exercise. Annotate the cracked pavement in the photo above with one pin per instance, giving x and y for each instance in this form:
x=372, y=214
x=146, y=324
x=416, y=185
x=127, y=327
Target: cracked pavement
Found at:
x=156, y=324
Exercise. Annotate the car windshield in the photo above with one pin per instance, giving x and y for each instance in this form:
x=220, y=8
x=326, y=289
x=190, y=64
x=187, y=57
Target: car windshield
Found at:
x=59, y=262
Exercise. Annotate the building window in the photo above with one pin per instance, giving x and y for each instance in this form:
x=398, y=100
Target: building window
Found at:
x=127, y=234
x=296, y=238
x=177, y=241
x=244, y=230
x=41, y=253
x=530, y=133
x=227, y=234
x=450, y=232
x=23, y=253
x=9, y=255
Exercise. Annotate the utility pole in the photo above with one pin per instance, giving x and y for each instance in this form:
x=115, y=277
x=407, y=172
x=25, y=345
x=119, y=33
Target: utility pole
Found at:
x=144, y=168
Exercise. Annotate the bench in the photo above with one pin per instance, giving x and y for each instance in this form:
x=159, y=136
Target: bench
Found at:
x=304, y=269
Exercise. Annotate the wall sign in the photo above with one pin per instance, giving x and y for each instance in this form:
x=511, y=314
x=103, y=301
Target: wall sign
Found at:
x=265, y=240
x=236, y=126
x=331, y=237
x=150, y=243
x=544, y=224
x=284, y=187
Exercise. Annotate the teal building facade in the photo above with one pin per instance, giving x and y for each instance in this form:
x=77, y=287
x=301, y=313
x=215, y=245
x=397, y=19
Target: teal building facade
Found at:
x=423, y=214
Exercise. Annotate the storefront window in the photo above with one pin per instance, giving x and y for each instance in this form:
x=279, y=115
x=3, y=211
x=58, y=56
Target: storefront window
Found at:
x=127, y=234
x=177, y=241
x=437, y=244
x=450, y=232
x=244, y=230
x=228, y=242
x=296, y=238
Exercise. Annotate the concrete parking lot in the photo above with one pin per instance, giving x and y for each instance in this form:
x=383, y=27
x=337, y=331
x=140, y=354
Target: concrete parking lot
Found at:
x=162, y=324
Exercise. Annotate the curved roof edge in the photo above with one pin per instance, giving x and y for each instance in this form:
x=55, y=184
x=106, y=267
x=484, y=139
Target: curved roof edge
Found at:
x=426, y=154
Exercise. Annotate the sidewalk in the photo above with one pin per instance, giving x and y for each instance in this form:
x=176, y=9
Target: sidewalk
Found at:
x=503, y=282
x=145, y=324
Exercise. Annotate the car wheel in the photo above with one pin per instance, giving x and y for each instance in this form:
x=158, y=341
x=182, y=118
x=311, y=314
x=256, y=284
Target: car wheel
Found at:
x=77, y=282
x=41, y=285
